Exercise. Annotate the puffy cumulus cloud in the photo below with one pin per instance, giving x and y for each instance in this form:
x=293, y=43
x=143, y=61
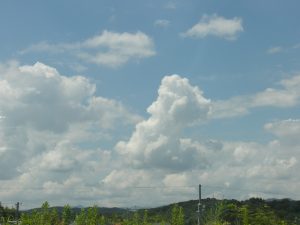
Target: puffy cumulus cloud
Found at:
x=52, y=128
x=147, y=187
x=286, y=130
x=215, y=25
x=65, y=160
x=159, y=160
x=120, y=48
x=238, y=169
x=158, y=150
x=234, y=169
x=120, y=179
x=39, y=97
x=287, y=95
x=178, y=103
x=176, y=179
x=156, y=141
x=109, y=48
x=241, y=169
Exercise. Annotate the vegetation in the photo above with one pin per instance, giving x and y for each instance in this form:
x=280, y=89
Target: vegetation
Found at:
x=254, y=211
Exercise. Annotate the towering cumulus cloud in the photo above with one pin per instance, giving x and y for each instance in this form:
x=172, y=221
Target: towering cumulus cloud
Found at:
x=156, y=141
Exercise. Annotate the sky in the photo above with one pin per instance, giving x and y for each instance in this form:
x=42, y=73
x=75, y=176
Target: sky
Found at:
x=135, y=103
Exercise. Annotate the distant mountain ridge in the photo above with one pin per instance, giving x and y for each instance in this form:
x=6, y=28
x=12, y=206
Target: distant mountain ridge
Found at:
x=77, y=209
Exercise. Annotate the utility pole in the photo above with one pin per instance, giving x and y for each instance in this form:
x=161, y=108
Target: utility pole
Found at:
x=199, y=205
x=1, y=210
x=17, y=212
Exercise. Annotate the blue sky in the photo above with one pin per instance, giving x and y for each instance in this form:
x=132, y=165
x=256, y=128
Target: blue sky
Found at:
x=89, y=87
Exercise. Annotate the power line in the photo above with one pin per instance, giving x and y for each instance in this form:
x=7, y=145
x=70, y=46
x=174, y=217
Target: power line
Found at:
x=161, y=187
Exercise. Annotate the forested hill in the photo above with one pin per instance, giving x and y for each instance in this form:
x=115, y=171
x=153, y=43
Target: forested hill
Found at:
x=76, y=210
x=232, y=210
x=252, y=211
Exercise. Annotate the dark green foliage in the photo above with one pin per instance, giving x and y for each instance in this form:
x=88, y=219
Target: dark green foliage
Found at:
x=92, y=216
x=177, y=217
x=6, y=214
x=81, y=218
x=254, y=211
x=244, y=215
x=230, y=213
x=66, y=215
x=55, y=217
x=145, y=218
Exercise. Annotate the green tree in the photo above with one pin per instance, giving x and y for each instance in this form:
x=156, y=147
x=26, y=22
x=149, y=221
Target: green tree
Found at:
x=25, y=219
x=102, y=220
x=66, y=215
x=214, y=214
x=135, y=219
x=54, y=217
x=263, y=216
x=5, y=220
x=145, y=218
x=177, y=215
x=45, y=215
x=230, y=213
x=92, y=215
x=244, y=215
x=35, y=217
x=81, y=218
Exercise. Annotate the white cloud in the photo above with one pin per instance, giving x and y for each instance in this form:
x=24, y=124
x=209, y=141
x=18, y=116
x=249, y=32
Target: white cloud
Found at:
x=121, y=47
x=285, y=128
x=175, y=179
x=161, y=23
x=157, y=146
x=38, y=96
x=52, y=130
x=58, y=127
x=235, y=169
x=156, y=141
x=287, y=131
x=110, y=49
x=287, y=95
x=215, y=25
x=280, y=49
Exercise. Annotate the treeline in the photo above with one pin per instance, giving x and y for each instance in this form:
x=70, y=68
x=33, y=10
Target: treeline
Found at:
x=90, y=216
x=6, y=212
x=254, y=211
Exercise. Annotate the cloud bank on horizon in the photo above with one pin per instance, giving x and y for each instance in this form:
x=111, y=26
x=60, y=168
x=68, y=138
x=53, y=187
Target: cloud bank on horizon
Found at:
x=173, y=95
x=55, y=125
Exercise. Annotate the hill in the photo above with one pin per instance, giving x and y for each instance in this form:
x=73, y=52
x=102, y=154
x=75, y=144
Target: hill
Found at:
x=252, y=211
